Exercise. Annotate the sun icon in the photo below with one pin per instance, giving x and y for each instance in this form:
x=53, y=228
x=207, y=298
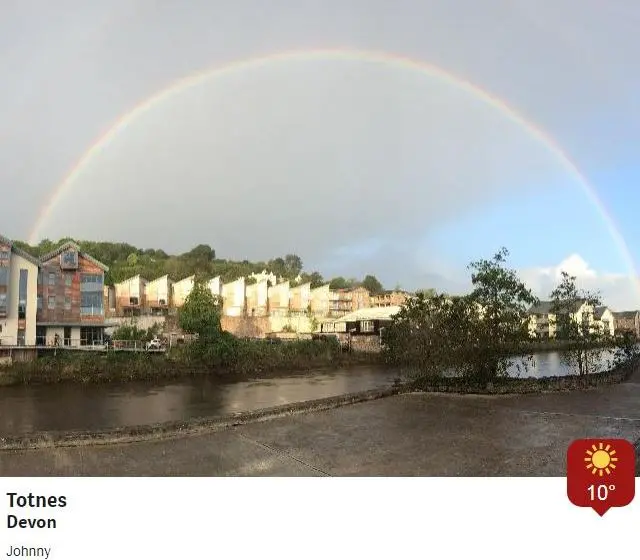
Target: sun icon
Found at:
x=600, y=459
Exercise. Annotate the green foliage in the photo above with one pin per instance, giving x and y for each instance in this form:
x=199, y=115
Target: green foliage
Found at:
x=340, y=283
x=200, y=314
x=313, y=320
x=567, y=299
x=315, y=279
x=133, y=333
x=372, y=284
x=473, y=336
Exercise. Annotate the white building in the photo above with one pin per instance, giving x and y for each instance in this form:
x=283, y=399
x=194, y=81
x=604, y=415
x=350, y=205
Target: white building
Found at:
x=18, y=295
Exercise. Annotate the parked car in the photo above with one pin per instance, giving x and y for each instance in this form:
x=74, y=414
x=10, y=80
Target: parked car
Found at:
x=154, y=344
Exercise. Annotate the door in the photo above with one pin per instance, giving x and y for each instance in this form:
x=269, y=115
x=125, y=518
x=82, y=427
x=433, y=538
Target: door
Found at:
x=67, y=336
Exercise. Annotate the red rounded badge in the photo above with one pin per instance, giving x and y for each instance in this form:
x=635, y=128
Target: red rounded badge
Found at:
x=601, y=473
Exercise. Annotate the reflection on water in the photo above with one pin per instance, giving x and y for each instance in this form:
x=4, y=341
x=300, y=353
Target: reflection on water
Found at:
x=32, y=408
x=549, y=364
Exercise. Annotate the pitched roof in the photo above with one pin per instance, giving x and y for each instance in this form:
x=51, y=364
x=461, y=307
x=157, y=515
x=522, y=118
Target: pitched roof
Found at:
x=73, y=245
x=368, y=314
x=18, y=251
x=598, y=312
x=542, y=308
x=625, y=314
x=546, y=307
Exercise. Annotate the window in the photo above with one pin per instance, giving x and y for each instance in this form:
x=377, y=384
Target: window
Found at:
x=366, y=326
x=91, y=335
x=39, y=302
x=5, y=255
x=4, y=276
x=68, y=279
x=22, y=293
x=21, y=337
x=67, y=303
x=52, y=302
x=52, y=279
x=91, y=303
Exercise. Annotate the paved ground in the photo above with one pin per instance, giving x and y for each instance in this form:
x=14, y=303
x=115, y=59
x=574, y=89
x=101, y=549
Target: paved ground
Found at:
x=406, y=435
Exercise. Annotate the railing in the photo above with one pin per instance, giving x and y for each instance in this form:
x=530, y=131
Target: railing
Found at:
x=77, y=344
x=92, y=310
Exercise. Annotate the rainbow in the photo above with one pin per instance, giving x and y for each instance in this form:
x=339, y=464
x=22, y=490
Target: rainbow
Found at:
x=383, y=58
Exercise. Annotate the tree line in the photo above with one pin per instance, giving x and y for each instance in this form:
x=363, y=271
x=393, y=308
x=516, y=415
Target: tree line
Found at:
x=125, y=260
x=484, y=334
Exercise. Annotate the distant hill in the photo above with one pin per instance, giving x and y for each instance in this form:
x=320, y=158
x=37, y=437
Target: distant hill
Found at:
x=125, y=260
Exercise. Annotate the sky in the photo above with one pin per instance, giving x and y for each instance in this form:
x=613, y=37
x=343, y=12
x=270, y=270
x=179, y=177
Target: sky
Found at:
x=358, y=164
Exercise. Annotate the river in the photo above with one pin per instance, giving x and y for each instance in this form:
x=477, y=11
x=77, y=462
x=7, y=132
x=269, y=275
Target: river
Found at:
x=31, y=408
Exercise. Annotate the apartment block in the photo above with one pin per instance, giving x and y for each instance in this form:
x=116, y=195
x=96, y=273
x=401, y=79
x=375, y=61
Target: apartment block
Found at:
x=70, y=298
x=18, y=295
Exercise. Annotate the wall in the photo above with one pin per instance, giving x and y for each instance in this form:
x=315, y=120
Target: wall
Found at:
x=215, y=286
x=11, y=324
x=299, y=324
x=142, y=322
x=301, y=297
x=279, y=297
x=181, y=291
x=157, y=290
x=257, y=296
x=253, y=327
x=320, y=300
x=234, y=297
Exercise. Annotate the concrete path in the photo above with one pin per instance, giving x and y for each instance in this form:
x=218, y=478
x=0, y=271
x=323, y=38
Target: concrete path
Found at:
x=405, y=435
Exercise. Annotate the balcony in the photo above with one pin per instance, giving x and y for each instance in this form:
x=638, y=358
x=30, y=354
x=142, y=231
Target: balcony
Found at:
x=94, y=311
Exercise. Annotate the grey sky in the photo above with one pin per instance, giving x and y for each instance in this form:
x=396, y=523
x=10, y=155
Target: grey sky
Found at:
x=307, y=157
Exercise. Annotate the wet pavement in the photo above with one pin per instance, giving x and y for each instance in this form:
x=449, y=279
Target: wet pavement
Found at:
x=404, y=435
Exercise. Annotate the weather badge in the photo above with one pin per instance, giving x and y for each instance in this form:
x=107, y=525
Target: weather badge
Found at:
x=601, y=473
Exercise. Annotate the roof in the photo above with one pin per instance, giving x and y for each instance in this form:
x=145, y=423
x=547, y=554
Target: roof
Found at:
x=188, y=278
x=625, y=314
x=368, y=314
x=165, y=277
x=20, y=252
x=545, y=307
x=542, y=308
x=599, y=311
x=73, y=245
x=127, y=280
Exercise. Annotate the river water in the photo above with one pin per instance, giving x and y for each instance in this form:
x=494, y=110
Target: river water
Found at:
x=31, y=408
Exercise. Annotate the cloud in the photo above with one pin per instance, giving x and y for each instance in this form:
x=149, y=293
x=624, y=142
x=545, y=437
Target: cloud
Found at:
x=617, y=291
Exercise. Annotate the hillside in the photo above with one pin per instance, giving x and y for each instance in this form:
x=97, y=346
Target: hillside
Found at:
x=125, y=260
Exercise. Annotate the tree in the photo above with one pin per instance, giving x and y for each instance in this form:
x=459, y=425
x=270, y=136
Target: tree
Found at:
x=572, y=316
x=473, y=335
x=504, y=301
x=372, y=284
x=339, y=283
x=292, y=266
x=315, y=279
x=200, y=314
x=201, y=253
